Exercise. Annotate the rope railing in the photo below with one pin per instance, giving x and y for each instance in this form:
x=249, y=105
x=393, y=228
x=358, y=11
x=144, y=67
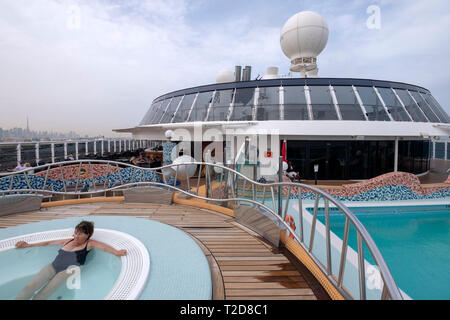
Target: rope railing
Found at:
x=229, y=186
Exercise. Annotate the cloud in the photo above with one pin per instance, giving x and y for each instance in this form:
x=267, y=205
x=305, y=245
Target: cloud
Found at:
x=94, y=65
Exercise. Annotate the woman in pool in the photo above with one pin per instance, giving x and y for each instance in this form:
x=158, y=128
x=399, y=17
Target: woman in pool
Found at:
x=72, y=253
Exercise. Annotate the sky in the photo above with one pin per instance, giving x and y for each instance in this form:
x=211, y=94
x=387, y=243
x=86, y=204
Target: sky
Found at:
x=91, y=66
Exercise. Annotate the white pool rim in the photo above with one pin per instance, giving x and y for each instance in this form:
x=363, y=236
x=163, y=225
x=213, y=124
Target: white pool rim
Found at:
x=135, y=264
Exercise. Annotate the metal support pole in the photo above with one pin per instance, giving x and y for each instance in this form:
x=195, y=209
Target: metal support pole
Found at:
x=37, y=153
x=255, y=176
x=19, y=153
x=280, y=179
x=53, y=152
x=396, y=155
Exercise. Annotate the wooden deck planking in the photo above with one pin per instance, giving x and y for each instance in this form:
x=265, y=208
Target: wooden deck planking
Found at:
x=243, y=266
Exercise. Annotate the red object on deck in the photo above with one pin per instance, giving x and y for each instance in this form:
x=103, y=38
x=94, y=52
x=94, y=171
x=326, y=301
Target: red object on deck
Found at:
x=283, y=151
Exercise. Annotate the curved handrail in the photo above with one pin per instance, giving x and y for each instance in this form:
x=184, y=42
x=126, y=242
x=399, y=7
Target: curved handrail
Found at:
x=390, y=289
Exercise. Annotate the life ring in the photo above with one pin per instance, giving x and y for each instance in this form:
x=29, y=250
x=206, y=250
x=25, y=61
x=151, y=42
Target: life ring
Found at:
x=83, y=172
x=289, y=219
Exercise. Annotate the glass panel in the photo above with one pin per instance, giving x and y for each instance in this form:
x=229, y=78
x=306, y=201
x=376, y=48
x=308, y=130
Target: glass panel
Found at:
x=71, y=149
x=159, y=111
x=358, y=159
x=322, y=103
x=374, y=108
x=343, y=160
x=317, y=155
x=336, y=159
x=185, y=107
x=411, y=106
x=436, y=108
x=243, y=105
x=8, y=157
x=45, y=154
x=268, y=104
x=29, y=154
x=430, y=115
x=170, y=110
x=348, y=104
x=149, y=114
x=297, y=155
x=439, y=152
x=404, y=156
x=413, y=156
x=295, y=107
x=448, y=151
x=82, y=150
x=201, y=106
x=221, y=105
x=393, y=105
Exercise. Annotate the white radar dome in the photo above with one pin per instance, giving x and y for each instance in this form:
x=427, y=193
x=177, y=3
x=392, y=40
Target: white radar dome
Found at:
x=224, y=76
x=302, y=39
x=271, y=73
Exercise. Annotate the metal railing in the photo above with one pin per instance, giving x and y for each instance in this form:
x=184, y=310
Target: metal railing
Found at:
x=224, y=185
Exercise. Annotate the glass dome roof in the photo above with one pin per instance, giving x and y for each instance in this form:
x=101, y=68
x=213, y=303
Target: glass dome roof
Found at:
x=298, y=99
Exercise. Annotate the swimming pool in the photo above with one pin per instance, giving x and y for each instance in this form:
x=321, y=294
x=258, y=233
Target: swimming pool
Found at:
x=413, y=239
x=178, y=267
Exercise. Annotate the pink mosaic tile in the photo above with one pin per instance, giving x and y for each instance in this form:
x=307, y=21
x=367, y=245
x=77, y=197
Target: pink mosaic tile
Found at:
x=71, y=172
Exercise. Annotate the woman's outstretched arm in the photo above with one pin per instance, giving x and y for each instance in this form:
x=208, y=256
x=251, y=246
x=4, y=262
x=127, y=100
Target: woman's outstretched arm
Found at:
x=23, y=244
x=107, y=248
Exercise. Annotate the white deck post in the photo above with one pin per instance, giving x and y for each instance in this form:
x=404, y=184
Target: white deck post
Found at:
x=37, y=153
x=52, y=146
x=396, y=155
x=19, y=153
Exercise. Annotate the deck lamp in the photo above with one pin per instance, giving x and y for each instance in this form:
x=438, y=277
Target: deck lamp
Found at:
x=316, y=170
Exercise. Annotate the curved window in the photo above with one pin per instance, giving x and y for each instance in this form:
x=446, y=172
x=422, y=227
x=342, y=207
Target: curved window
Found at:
x=268, y=104
x=411, y=106
x=424, y=106
x=201, y=106
x=159, y=111
x=149, y=114
x=436, y=107
x=184, y=108
x=295, y=107
x=221, y=105
x=322, y=103
x=374, y=108
x=393, y=105
x=348, y=104
x=170, y=110
x=243, y=105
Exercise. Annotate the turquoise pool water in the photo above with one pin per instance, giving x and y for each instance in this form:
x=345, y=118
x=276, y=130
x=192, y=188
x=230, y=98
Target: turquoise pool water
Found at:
x=414, y=241
x=178, y=267
x=18, y=267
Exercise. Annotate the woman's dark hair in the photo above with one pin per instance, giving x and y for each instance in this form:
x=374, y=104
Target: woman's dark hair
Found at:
x=86, y=227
